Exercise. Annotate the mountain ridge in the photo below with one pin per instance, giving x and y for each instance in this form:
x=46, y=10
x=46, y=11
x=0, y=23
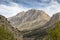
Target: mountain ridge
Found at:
x=29, y=19
x=7, y=31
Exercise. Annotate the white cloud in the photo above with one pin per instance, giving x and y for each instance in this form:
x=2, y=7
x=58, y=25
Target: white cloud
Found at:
x=9, y=11
x=53, y=8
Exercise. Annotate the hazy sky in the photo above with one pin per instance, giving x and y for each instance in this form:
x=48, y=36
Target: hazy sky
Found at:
x=9, y=8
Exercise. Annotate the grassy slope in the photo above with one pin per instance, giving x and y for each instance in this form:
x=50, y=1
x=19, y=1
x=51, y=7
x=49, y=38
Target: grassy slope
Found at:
x=55, y=33
x=5, y=34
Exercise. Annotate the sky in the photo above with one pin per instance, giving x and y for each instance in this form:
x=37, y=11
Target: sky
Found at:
x=9, y=8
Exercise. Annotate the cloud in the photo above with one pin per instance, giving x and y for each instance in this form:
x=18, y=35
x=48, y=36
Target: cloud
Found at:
x=9, y=8
x=5, y=2
x=9, y=11
x=58, y=1
x=53, y=8
x=33, y=3
x=27, y=3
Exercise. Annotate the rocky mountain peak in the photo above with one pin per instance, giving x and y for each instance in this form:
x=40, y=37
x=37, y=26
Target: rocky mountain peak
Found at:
x=55, y=18
x=35, y=11
x=29, y=19
x=20, y=13
x=57, y=15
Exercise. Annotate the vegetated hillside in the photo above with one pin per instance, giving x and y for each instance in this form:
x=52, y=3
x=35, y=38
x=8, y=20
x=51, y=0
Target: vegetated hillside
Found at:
x=7, y=32
x=54, y=34
x=29, y=20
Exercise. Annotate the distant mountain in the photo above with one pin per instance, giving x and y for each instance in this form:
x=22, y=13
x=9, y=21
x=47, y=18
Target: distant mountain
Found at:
x=55, y=18
x=7, y=32
x=29, y=20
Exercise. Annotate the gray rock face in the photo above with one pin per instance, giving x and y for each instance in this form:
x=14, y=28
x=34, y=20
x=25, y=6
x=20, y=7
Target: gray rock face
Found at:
x=29, y=20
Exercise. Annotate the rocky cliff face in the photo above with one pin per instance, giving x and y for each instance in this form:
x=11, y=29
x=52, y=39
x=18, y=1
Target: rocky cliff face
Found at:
x=29, y=20
x=7, y=32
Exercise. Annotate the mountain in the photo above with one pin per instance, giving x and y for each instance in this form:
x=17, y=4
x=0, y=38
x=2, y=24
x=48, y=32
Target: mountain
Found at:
x=29, y=20
x=7, y=32
x=49, y=31
x=30, y=25
x=37, y=25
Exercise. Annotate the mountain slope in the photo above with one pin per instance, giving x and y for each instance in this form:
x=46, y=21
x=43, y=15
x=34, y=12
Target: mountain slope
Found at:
x=7, y=32
x=29, y=20
x=54, y=34
x=49, y=31
x=4, y=31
